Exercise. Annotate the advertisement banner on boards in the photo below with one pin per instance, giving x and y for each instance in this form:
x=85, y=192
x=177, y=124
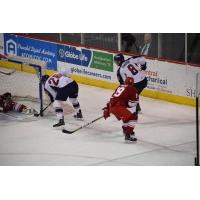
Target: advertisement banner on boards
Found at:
x=74, y=55
x=85, y=57
x=31, y=48
x=102, y=61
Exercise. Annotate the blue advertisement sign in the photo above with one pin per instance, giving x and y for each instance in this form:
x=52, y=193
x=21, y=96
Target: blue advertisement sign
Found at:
x=31, y=48
x=74, y=55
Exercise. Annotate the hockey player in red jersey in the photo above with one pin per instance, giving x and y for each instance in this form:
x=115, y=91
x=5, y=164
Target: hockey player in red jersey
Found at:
x=123, y=104
x=7, y=105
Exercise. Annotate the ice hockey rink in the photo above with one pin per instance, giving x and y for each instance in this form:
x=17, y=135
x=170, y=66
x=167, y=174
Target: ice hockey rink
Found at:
x=165, y=132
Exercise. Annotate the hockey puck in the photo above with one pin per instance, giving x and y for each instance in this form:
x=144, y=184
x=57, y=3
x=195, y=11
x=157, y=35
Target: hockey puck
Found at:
x=36, y=114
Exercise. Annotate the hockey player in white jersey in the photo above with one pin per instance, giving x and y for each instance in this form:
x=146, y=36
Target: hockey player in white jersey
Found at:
x=132, y=67
x=59, y=87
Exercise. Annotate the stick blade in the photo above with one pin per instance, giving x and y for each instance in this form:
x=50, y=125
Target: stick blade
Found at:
x=66, y=131
x=12, y=72
x=8, y=73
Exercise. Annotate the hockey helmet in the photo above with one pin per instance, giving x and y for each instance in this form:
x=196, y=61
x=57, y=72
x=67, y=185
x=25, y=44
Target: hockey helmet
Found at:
x=118, y=59
x=129, y=81
x=65, y=72
x=7, y=95
x=44, y=78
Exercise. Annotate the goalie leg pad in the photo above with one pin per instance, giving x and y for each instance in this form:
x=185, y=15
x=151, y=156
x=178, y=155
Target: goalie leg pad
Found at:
x=19, y=107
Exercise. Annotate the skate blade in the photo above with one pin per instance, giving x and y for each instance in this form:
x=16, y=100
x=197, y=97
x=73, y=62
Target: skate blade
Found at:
x=129, y=141
x=58, y=128
x=79, y=119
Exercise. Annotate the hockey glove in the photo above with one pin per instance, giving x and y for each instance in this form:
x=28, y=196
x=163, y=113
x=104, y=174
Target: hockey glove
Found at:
x=106, y=111
x=144, y=67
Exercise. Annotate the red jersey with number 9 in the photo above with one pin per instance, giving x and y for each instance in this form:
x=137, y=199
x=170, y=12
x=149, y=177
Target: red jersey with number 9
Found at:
x=124, y=95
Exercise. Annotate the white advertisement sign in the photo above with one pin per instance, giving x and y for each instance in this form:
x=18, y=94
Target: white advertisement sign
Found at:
x=89, y=72
x=172, y=78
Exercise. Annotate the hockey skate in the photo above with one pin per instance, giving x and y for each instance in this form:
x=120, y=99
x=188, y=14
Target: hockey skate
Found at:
x=60, y=123
x=130, y=137
x=78, y=115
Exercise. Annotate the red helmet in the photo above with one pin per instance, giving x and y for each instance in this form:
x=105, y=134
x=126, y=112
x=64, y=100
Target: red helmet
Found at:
x=129, y=81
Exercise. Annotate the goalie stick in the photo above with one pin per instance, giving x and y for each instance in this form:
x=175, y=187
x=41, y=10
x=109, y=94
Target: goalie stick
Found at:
x=38, y=114
x=70, y=132
x=8, y=73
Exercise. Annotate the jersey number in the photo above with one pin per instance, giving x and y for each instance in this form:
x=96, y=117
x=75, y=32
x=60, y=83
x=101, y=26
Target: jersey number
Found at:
x=119, y=91
x=55, y=79
x=132, y=69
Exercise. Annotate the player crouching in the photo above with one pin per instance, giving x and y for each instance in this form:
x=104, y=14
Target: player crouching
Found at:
x=7, y=104
x=123, y=104
x=59, y=87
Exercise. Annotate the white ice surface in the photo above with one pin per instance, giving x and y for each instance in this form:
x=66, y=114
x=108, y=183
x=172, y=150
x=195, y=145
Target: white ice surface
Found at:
x=165, y=132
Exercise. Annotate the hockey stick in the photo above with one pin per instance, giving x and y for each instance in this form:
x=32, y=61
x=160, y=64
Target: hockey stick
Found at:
x=70, y=132
x=8, y=73
x=38, y=114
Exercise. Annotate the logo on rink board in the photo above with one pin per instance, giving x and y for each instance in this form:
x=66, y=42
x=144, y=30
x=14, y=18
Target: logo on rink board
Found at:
x=11, y=45
x=74, y=55
x=31, y=48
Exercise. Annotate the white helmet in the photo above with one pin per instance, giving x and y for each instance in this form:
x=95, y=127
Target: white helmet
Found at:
x=65, y=72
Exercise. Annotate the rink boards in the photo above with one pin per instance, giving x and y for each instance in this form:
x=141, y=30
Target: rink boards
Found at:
x=169, y=81
x=178, y=89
